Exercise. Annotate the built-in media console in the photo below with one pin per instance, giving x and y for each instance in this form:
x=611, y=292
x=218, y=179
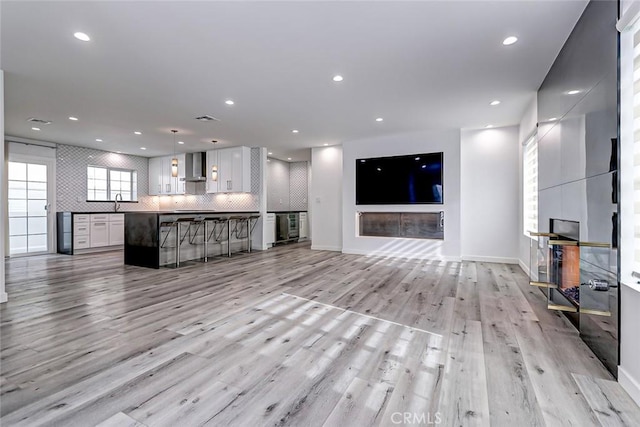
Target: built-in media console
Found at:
x=410, y=225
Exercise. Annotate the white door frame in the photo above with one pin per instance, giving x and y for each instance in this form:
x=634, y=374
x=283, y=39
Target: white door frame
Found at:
x=51, y=199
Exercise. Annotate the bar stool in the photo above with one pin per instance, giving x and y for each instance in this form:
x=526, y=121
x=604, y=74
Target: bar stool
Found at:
x=250, y=229
x=217, y=236
x=197, y=223
x=170, y=225
x=179, y=238
x=237, y=219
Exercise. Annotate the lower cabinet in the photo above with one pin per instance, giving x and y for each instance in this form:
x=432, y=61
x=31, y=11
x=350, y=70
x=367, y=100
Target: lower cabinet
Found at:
x=304, y=224
x=270, y=228
x=116, y=229
x=91, y=231
x=99, y=232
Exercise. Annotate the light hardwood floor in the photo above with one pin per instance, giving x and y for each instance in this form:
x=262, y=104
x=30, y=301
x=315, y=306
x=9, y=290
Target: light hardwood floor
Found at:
x=294, y=337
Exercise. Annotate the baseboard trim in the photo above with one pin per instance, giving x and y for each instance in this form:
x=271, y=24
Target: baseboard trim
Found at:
x=4, y=297
x=524, y=268
x=400, y=254
x=325, y=248
x=498, y=260
x=629, y=384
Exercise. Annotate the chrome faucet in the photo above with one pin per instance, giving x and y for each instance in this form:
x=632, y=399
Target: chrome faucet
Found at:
x=116, y=205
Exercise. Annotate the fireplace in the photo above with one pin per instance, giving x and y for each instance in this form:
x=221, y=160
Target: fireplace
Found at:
x=564, y=266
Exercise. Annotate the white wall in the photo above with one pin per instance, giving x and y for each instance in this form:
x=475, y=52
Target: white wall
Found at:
x=3, y=192
x=528, y=126
x=447, y=142
x=326, y=198
x=489, y=195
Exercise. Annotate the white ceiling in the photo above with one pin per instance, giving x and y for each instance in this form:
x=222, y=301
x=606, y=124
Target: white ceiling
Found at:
x=155, y=66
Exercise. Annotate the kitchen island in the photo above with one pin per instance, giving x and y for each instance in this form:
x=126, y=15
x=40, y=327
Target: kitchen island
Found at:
x=168, y=238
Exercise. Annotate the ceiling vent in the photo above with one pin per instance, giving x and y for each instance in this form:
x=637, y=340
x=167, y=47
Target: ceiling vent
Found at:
x=39, y=121
x=207, y=118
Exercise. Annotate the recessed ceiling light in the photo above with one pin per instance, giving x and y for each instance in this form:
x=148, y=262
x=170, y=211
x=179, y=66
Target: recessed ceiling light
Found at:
x=489, y=126
x=81, y=36
x=288, y=158
x=73, y=118
x=98, y=140
x=378, y=169
x=326, y=145
x=338, y=78
x=229, y=102
x=509, y=40
x=143, y=148
x=573, y=92
x=379, y=119
x=494, y=103
x=138, y=133
x=35, y=128
x=295, y=131
x=180, y=142
x=270, y=153
x=417, y=158
x=118, y=152
x=553, y=119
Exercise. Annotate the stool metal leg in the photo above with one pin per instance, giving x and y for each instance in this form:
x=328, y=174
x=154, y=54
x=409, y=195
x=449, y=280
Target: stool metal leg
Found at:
x=206, y=247
x=177, y=244
x=248, y=234
x=229, y=238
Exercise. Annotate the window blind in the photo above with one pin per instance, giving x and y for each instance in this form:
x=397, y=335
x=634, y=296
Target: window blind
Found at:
x=636, y=151
x=530, y=186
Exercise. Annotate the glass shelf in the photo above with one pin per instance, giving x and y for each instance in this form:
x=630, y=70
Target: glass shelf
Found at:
x=576, y=276
x=539, y=259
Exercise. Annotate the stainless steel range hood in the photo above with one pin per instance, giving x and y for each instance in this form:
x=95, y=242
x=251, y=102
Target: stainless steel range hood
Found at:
x=195, y=167
x=195, y=176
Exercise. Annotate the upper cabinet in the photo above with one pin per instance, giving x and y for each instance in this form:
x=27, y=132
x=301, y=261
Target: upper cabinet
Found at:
x=233, y=166
x=160, y=180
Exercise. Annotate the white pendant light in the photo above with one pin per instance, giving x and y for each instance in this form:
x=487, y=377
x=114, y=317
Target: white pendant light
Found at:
x=214, y=167
x=174, y=161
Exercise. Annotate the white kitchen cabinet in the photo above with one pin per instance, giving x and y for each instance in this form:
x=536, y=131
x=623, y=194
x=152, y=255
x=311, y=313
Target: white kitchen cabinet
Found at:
x=99, y=232
x=160, y=180
x=234, y=170
x=81, y=232
x=155, y=176
x=303, y=233
x=116, y=229
x=270, y=229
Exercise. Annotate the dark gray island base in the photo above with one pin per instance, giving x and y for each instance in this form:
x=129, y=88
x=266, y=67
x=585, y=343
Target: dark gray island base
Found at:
x=149, y=242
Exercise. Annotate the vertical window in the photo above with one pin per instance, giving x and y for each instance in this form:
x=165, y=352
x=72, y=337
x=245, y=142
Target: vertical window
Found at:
x=105, y=184
x=636, y=149
x=629, y=159
x=530, y=186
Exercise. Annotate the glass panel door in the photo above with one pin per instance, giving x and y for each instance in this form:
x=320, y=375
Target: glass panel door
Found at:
x=28, y=208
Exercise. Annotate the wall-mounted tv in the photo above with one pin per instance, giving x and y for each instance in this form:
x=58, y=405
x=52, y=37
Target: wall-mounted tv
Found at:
x=400, y=180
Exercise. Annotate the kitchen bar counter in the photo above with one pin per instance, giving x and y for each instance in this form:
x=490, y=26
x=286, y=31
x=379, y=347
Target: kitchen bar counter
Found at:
x=143, y=236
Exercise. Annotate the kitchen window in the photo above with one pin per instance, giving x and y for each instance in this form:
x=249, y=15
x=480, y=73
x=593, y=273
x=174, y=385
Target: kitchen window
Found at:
x=104, y=184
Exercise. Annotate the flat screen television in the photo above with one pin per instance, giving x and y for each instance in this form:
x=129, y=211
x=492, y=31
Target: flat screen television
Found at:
x=400, y=180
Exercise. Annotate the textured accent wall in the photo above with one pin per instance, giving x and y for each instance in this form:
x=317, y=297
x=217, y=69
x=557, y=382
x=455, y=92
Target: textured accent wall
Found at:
x=298, y=186
x=237, y=202
x=287, y=185
x=71, y=179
